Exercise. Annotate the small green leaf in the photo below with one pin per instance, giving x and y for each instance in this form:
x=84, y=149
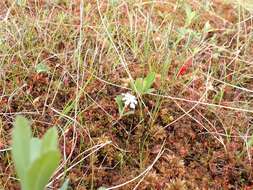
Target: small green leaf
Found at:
x=150, y=90
x=139, y=85
x=143, y=86
x=41, y=68
x=149, y=80
x=21, y=136
x=65, y=185
x=41, y=170
x=50, y=140
x=35, y=149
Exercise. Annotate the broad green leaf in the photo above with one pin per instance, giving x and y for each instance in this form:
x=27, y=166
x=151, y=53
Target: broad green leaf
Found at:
x=21, y=137
x=41, y=68
x=41, y=170
x=150, y=90
x=139, y=85
x=35, y=149
x=50, y=140
x=149, y=80
x=65, y=185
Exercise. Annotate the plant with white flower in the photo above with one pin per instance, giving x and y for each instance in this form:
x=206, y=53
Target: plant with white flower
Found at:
x=143, y=86
x=129, y=100
x=123, y=101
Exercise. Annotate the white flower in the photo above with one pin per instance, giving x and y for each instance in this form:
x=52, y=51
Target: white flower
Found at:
x=129, y=100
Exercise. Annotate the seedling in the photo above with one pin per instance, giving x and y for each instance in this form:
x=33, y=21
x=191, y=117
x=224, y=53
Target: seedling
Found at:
x=143, y=85
x=35, y=159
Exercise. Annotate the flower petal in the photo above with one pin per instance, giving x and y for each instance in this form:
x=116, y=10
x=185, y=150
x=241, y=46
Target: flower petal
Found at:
x=132, y=105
